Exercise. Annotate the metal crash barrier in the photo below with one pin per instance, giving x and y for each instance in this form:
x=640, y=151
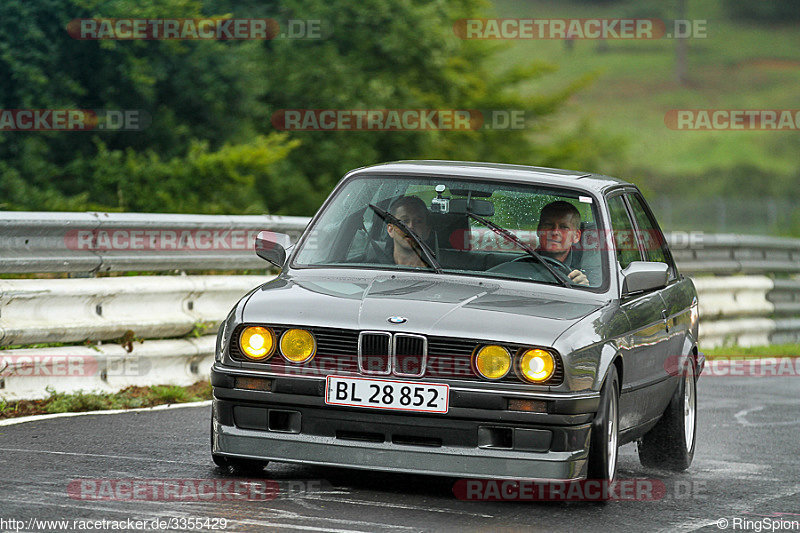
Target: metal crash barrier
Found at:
x=160, y=329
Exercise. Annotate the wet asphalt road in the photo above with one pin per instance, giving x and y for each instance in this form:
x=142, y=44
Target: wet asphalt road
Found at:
x=747, y=467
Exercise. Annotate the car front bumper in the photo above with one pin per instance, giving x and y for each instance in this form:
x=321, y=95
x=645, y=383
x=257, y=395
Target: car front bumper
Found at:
x=292, y=423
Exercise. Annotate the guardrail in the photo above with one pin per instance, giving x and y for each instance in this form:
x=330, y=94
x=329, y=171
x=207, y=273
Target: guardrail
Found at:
x=748, y=310
x=152, y=307
x=139, y=314
x=745, y=310
x=117, y=242
x=114, y=242
x=719, y=254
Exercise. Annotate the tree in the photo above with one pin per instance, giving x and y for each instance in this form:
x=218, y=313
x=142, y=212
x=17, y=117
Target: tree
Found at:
x=774, y=11
x=199, y=95
x=211, y=101
x=406, y=55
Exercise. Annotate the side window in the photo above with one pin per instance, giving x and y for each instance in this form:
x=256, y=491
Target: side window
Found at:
x=649, y=234
x=624, y=242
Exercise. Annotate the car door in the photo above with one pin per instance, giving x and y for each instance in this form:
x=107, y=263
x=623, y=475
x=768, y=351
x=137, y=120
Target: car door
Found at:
x=679, y=292
x=644, y=348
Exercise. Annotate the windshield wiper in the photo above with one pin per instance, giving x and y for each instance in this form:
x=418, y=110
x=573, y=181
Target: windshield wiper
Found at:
x=516, y=240
x=424, y=252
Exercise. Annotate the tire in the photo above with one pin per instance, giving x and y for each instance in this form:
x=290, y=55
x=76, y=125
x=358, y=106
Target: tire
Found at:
x=604, y=441
x=670, y=444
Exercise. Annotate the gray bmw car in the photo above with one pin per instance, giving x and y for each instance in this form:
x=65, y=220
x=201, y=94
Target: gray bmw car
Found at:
x=465, y=319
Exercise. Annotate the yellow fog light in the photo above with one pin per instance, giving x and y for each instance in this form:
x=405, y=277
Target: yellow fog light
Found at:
x=493, y=362
x=536, y=365
x=298, y=345
x=257, y=342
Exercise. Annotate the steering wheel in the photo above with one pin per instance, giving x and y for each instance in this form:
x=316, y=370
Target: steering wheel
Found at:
x=559, y=266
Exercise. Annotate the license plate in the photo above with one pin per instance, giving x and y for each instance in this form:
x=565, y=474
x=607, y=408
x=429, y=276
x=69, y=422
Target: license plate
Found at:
x=387, y=394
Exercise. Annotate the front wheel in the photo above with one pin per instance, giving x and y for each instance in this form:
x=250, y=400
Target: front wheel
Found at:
x=670, y=444
x=604, y=445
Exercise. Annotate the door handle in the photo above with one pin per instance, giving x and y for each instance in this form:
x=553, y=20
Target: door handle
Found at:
x=666, y=321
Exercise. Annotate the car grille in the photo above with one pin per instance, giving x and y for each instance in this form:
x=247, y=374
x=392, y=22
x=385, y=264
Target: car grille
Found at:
x=337, y=352
x=375, y=350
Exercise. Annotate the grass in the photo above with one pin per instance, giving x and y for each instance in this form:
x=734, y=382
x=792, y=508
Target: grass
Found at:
x=129, y=398
x=775, y=350
x=736, y=66
x=36, y=345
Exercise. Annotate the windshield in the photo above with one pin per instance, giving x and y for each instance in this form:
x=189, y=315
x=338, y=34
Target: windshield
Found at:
x=494, y=229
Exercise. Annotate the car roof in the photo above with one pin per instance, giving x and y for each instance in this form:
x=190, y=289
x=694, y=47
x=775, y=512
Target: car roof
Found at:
x=497, y=171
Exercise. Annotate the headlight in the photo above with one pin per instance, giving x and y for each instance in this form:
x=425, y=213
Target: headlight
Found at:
x=298, y=345
x=536, y=365
x=493, y=362
x=257, y=342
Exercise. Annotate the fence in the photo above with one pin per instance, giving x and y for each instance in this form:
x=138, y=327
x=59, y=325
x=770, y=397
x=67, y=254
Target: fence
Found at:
x=719, y=214
x=743, y=309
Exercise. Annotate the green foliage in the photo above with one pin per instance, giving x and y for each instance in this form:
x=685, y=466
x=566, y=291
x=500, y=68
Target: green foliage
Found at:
x=202, y=328
x=780, y=11
x=736, y=352
x=130, y=398
x=7, y=408
x=202, y=180
x=405, y=55
x=60, y=402
x=211, y=147
x=170, y=394
x=37, y=345
x=200, y=153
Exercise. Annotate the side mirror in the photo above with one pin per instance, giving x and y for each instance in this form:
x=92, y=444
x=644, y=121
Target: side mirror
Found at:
x=272, y=247
x=644, y=276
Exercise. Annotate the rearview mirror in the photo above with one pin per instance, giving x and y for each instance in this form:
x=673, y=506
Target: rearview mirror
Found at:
x=483, y=208
x=272, y=247
x=644, y=276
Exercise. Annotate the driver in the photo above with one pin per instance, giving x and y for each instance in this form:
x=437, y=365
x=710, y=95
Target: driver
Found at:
x=558, y=229
x=411, y=211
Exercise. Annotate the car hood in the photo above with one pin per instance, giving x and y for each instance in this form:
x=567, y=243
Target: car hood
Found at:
x=431, y=304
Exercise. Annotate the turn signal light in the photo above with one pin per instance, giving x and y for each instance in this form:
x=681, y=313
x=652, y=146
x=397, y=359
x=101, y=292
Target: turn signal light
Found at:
x=531, y=406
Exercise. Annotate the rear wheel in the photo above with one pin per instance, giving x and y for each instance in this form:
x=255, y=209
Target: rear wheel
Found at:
x=604, y=445
x=670, y=444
